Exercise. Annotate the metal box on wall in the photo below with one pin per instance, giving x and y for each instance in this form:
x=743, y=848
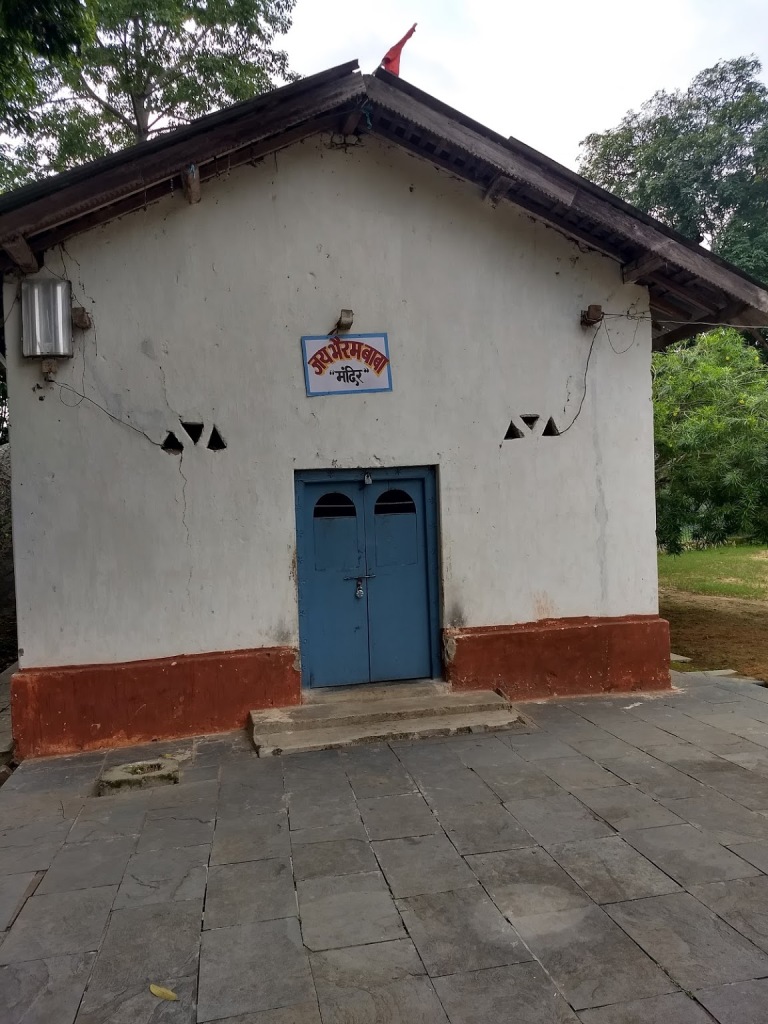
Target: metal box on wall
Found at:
x=46, y=312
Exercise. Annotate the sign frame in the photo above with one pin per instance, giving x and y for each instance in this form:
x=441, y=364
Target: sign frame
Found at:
x=383, y=339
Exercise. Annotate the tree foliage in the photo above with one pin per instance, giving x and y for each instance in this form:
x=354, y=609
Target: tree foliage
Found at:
x=697, y=159
x=147, y=66
x=711, y=432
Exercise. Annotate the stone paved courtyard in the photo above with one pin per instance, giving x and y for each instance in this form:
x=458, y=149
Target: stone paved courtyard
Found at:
x=608, y=866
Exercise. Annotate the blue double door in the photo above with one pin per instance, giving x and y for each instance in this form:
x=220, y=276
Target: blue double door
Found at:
x=367, y=575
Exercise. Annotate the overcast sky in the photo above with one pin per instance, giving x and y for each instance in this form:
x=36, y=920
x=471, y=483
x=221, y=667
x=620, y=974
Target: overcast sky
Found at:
x=547, y=72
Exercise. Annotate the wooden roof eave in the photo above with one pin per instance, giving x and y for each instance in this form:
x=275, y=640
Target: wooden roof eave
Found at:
x=686, y=284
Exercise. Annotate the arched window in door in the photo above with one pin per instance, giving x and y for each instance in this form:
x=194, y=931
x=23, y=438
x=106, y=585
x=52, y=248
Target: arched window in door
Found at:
x=334, y=506
x=396, y=528
x=394, y=503
x=337, y=545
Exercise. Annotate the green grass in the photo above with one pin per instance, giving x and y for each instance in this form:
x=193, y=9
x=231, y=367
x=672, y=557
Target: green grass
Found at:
x=729, y=571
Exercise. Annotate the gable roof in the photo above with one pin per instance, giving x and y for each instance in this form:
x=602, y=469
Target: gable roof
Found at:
x=689, y=286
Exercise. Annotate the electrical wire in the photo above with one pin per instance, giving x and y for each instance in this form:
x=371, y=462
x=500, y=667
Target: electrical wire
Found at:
x=115, y=419
x=685, y=323
x=599, y=327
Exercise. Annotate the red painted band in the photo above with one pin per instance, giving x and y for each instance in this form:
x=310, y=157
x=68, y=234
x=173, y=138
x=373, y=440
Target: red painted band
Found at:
x=560, y=657
x=83, y=707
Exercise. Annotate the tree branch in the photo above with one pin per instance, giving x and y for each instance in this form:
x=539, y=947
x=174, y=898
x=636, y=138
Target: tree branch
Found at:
x=106, y=104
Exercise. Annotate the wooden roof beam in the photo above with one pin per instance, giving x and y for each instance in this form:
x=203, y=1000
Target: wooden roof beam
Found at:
x=646, y=264
x=190, y=182
x=18, y=249
x=726, y=315
x=497, y=189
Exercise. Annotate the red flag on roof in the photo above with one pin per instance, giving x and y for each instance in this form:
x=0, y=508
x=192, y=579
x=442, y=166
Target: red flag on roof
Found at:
x=391, y=59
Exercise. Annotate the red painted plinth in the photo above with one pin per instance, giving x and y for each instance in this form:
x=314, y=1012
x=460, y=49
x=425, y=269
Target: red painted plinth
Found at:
x=560, y=657
x=60, y=710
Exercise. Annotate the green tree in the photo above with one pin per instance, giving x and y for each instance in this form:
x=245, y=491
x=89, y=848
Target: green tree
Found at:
x=711, y=432
x=147, y=67
x=697, y=159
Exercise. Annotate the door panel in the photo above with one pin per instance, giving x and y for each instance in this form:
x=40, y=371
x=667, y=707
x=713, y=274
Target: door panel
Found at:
x=367, y=573
x=398, y=595
x=333, y=620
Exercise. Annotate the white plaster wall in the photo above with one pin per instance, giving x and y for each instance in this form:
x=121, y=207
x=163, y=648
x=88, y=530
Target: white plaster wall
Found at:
x=125, y=552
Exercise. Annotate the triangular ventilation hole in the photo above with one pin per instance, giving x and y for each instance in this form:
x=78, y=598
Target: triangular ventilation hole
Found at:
x=195, y=430
x=512, y=433
x=172, y=444
x=216, y=442
x=530, y=419
x=550, y=430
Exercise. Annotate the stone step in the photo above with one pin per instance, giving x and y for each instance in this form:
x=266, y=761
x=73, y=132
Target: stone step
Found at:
x=367, y=709
x=335, y=736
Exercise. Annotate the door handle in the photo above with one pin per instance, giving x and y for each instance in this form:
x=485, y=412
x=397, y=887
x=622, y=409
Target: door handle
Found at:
x=362, y=576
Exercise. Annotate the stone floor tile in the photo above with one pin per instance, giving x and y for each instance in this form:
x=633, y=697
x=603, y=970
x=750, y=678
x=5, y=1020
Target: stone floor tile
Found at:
x=44, y=991
x=578, y=772
x=375, y=771
x=673, y=1009
x=704, y=733
x=347, y=911
x=145, y=945
x=537, y=746
x=258, y=890
x=45, y=832
x=678, y=752
x=743, y=1003
x=590, y=958
x=743, y=904
x=519, y=780
x=626, y=808
x=230, y=747
x=14, y=890
x=68, y=779
x=58, y=924
x=339, y=857
x=424, y=864
x=377, y=984
x=299, y=1013
x=164, y=876
x=606, y=748
x=691, y=944
x=558, y=819
x=749, y=756
x=353, y=829
x=638, y=734
x=655, y=778
x=306, y=810
x=460, y=786
x=197, y=796
x=108, y=818
x=483, y=828
x=745, y=787
x=87, y=865
x=239, y=800
x=22, y=809
x=169, y=828
x=611, y=871
x=689, y=856
x=527, y=881
x=477, y=751
x=725, y=820
x=23, y=859
x=395, y=817
x=252, y=837
x=460, y=931
x=520, y=994
x=753, y=853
